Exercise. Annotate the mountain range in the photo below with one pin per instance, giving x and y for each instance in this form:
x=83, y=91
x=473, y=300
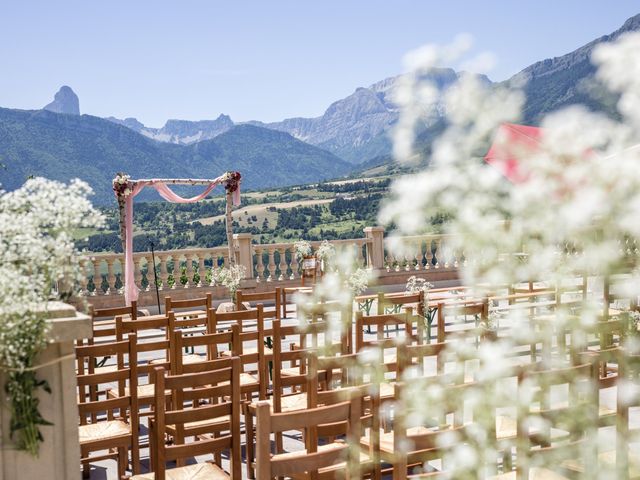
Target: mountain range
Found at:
x=353, y=133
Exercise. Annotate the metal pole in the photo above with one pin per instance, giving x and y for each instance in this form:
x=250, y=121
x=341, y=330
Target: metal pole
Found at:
x=155, y=276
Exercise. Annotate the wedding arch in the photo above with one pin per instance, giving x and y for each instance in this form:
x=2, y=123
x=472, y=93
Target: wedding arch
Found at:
x=126, y=189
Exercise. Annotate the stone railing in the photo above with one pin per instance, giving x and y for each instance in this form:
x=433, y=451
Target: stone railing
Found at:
x=187, y=273
x=425, y=252
x=186, y=268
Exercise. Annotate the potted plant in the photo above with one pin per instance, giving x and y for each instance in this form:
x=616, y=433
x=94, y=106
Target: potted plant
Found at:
x=305, y=257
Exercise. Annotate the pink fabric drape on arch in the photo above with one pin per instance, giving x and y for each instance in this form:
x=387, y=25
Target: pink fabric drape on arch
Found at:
x=130, y=288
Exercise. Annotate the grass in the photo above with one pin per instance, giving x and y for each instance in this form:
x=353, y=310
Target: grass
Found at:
x=261, y=212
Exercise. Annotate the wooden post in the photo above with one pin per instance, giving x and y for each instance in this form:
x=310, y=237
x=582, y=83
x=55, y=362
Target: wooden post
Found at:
x=229, y=227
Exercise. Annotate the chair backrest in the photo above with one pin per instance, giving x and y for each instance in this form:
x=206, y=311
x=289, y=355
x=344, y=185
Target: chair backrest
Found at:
x=364, y=322
x=274, y=296
x=151, y=339
x=212, y=343
x=217, y=395
x=125, y=405
x=479, y=310
x=104, y=319
x=314, y=459
x=422, y=356
x=112, y=312
x=319, y=322
x=192, y=305
x=244, y=318
x=394, y=301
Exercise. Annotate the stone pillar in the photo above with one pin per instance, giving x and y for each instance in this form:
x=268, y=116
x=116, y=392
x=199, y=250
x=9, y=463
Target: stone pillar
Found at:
x=375, y=246
x=59, y=455
x=244, y=253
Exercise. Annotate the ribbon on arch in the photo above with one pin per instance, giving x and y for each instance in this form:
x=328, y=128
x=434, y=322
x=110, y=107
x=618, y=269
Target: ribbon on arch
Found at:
x=130, y=288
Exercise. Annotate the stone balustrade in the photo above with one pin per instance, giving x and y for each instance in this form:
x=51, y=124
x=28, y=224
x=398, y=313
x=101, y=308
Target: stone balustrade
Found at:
x=186, y=273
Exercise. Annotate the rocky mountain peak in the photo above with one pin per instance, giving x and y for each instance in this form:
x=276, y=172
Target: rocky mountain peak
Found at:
x=64, y=101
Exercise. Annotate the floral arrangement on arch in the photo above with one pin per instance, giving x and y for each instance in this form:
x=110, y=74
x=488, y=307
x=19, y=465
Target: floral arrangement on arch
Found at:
x=122, y=185
x=231, y=181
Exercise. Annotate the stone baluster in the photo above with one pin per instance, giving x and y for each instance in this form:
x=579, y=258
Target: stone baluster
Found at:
x=283, y=263
x=271, y=266
x=176, y=271
x=111, y=277
x=97, y=277
x=189, y=261
x=407, y=262
x=150, y=277
x=202, y=270
x=446, y=254
x=428, y=255
x=259, y=264
x=357, y=246
x=438, y=254
x=137, y=272
x=295, y=266
x=418, y=256
x=163, y=273
x=84, y=280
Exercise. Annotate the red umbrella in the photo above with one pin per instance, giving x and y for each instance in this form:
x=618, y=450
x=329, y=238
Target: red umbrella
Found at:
x=512, y=144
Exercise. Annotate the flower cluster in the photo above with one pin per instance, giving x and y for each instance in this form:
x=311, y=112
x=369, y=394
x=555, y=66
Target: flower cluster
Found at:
x=230, y=277
x=231, y=181
x=326, y=251
x=302, y=248
x=38, y=254
x=417, y=284
x=358, y=281
x=569, y=218
x=122, y=185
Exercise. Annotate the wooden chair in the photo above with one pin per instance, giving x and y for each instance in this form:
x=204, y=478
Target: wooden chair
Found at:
x=411, y=446
x=314, y=460
x=274, y=296
x=344, y=379
x=151, y=341
x=109, y=424
x=289, y=391
x=564, y=435
x=210, y=396
x=250, y=346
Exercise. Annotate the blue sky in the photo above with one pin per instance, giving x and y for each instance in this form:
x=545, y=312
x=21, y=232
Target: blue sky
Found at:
x=264, y=60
